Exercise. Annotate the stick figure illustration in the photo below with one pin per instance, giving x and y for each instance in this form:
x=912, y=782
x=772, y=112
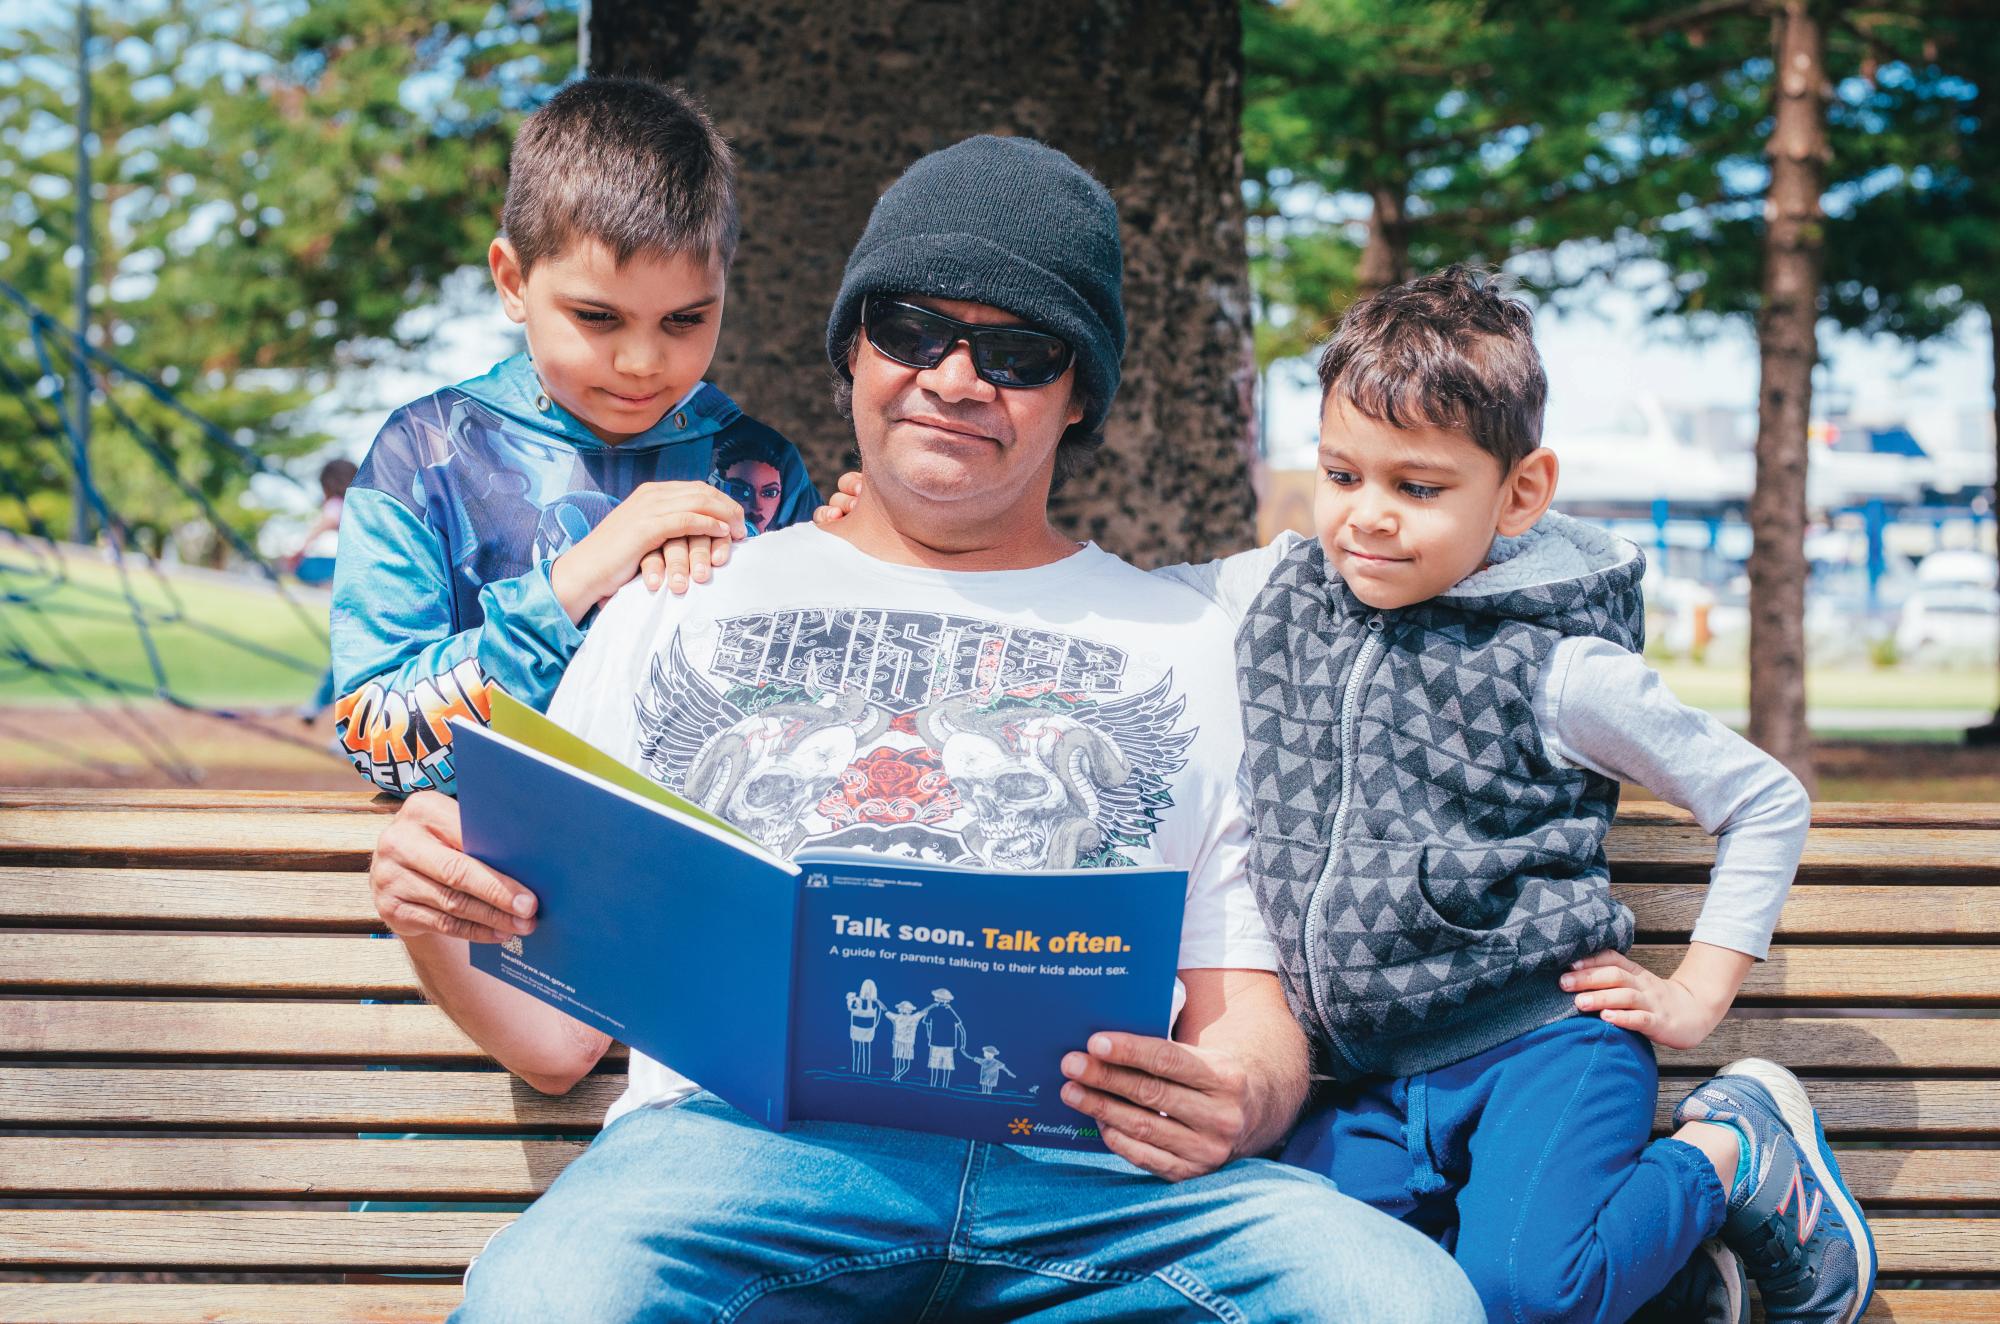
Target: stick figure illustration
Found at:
x=903, y=1022
x=944, y=1033
x=864, y=1013
x=990, y=1067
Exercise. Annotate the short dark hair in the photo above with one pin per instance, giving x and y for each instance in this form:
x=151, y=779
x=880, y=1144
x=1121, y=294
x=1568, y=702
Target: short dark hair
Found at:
x=336, y=476
x=633, y=164
x=1075, y=452
x=1448, y=350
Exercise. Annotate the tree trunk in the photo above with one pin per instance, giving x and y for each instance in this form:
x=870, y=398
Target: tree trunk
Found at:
x=1385, y=258
x=1788, y=347
x=827, y=103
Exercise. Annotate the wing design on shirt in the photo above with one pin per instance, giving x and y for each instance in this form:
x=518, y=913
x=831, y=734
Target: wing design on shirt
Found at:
x=679, y=712
x=1142, y=726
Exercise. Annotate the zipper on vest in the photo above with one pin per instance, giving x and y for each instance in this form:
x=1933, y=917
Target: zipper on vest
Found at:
x=1350, y=700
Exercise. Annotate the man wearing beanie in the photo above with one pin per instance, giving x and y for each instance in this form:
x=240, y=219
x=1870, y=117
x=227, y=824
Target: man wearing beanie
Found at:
x=1069, y=712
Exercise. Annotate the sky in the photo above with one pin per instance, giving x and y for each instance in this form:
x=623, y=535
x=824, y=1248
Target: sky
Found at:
x=1601, y=361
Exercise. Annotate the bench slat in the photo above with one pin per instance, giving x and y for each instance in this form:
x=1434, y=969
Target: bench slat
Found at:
x=1851, y=1044
x=298, y=1240
x=1938, y=976
x=305, y=839
x=347, y=967
x=188, y=838
x=336, y=1032
x=213, y=1168
x=186, y=898
x=339, y=902
x=230, y=1303
x=1818, y=911
x=356, y=801
x=123, y=1099
x=1912, y=1178
x=243, y=1031
x=427, y=1303
x=1884, y=1109
x=351, y=967
x=280, y=1100
x=464, y=1169
x=1841, y=813
x=246, y=1239
x=1686, y=854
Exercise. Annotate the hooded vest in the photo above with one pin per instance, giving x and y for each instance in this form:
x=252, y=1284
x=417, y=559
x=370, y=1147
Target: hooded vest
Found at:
x=1426, y=869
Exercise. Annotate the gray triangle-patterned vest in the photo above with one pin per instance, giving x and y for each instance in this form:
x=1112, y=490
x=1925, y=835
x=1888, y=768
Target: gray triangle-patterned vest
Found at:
x=1426, y=869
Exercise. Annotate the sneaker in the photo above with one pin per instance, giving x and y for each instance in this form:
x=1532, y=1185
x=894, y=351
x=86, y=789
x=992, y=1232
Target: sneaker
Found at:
x=1801, y=1235
x=1711, y=1288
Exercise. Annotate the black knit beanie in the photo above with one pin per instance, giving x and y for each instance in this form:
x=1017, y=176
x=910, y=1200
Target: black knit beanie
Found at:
x=1006, y=222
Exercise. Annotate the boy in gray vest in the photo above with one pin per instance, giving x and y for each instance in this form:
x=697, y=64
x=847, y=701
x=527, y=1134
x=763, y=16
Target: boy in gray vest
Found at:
x=1441, y=694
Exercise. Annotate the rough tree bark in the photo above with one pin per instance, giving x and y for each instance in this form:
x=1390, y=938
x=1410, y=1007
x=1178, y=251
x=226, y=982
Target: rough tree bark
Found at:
x=826, y=103
x=1788, y=347
x=1385, y=257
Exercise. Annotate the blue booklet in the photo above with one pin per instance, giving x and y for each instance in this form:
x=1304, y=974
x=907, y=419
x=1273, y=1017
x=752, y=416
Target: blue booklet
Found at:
x=834, y=986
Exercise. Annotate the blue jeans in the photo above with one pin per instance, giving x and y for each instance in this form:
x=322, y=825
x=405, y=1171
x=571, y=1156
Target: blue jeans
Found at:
x=1530, y=1163
x=696, y=1213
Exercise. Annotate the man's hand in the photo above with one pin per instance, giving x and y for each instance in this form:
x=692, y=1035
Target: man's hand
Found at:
x=1174, y=1109
x=846, y=496
x=1678, y=1012
x=638, y=532
x=426, y=886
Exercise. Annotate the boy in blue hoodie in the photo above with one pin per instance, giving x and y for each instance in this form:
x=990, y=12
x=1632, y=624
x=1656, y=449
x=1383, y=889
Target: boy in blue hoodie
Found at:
x=490, y=518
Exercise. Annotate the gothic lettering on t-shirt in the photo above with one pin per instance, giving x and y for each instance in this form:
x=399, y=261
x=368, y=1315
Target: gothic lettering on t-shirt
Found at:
x=941, y=737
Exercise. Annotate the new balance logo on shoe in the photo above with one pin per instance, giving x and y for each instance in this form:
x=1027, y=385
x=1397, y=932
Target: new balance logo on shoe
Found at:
x=1807, y=1220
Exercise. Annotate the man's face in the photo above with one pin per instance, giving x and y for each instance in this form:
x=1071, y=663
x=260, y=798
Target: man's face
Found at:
x=1404, y=513
x=943, y=435
x=617, y=346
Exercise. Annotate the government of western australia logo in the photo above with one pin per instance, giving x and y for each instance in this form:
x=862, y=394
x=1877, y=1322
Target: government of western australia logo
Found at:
x=941, y=737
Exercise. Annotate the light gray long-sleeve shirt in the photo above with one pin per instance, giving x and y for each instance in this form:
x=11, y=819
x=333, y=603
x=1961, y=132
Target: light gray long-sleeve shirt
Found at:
x=1601, y=707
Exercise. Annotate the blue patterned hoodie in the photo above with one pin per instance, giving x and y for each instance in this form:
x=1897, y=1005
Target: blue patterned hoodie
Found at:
x=441, y=587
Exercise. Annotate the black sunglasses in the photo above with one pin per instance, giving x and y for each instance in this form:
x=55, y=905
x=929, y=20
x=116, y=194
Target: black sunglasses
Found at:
x=1011, y=356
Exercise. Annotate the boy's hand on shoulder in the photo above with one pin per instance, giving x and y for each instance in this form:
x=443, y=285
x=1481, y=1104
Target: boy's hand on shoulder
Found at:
x=679, y=562
x=1676, y=1012
x=846, y=496
x=644, y=526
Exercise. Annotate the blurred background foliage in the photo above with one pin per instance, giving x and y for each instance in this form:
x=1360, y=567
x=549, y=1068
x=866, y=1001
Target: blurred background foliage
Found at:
x=275, y=185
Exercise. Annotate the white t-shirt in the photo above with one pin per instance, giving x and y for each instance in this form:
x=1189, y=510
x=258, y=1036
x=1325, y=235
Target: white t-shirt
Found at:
x=1077, y=714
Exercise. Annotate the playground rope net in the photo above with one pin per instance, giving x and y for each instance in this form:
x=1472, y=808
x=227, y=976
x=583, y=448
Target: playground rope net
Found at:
x=43, y=601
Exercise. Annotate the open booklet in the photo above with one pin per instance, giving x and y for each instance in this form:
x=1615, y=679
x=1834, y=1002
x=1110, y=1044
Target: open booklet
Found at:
x=834, y=986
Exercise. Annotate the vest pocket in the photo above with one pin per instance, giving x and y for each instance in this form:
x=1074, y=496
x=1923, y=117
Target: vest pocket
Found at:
x=1401, y=889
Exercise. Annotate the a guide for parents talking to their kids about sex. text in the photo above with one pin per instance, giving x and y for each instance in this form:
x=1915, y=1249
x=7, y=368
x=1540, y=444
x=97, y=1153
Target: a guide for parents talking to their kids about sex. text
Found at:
x=834, y=986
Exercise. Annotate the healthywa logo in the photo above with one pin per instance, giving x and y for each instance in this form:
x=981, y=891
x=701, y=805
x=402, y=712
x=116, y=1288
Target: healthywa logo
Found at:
x=512, y=946
x=1022, y=1126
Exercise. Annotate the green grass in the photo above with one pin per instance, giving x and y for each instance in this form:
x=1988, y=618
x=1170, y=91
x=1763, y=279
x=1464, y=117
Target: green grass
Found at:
x=1721, y=688
x=86, y=607
x=90, y=611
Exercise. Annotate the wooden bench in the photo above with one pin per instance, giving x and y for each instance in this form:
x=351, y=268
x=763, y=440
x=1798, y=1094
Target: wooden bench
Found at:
x=182, y=1038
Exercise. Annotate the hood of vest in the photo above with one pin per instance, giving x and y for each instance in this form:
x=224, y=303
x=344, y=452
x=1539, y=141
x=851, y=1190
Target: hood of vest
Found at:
x=1563, y=575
